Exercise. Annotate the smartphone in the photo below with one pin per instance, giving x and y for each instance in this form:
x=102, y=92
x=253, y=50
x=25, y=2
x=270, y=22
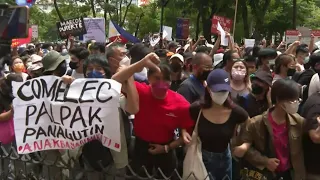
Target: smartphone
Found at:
x=14, y=22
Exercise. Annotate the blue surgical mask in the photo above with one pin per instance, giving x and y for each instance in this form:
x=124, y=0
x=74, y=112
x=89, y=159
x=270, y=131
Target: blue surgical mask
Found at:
x=95, y=74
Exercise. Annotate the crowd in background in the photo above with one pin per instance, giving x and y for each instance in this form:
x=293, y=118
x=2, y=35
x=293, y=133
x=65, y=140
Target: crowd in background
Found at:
x=250, y=107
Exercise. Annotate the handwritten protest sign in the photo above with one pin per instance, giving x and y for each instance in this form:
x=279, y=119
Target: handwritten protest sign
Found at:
x=73, y=27
x=225, y=23
x=51, y=115
x=96, y=29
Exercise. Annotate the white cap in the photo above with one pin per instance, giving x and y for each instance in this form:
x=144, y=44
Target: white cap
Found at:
x=179, y=56
x=217, y=58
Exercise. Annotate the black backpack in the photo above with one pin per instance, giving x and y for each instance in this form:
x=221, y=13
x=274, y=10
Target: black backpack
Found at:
x=96, y=155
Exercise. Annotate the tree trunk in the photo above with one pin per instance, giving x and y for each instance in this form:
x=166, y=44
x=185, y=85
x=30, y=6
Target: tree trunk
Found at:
x=125, y=13
x=206, y=28
x=294, y=14
x=198, y=25
x=117, y=13
x=92, y=8
x=105, y=15
x=57, y=9
x=245, y=18
x=120, y=13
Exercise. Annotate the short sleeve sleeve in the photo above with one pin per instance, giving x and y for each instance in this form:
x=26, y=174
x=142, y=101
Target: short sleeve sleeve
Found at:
x=186, y=121
x=311, y=122
x=185, y=92
x=314, y=85
x=122, y=102
x=240, y=115
x=142, y=88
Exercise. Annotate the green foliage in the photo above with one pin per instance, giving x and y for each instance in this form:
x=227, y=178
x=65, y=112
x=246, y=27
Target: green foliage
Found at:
x=268, y=16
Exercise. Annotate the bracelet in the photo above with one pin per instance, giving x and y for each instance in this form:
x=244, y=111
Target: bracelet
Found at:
x=166, y=148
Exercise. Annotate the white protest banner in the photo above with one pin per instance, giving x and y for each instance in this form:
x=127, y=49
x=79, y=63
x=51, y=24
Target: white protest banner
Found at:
x=167, y=33
x=96, y=29
x=249, y=42
x=51, y=115
x=292, y=36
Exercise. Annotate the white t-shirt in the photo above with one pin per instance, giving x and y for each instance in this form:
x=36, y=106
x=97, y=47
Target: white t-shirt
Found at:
x=76, y=75
x=314, y=85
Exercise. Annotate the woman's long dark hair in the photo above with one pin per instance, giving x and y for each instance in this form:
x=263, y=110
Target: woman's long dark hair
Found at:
x=206, y=101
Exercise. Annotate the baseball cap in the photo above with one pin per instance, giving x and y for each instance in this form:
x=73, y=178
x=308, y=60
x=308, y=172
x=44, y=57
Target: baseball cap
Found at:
x=218, y=80
x=52, y=60
x=35, y=67
x=179, y=56
x=263, y=76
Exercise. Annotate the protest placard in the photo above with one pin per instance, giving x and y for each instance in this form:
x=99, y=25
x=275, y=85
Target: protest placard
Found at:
x=73, y=27
x=225, y=23
x=96, y=29
x=51, y=115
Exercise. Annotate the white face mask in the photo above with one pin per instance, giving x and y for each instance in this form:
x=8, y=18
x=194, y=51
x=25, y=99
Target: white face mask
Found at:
x=219, y=97
x=125, y=61
x=291, y=107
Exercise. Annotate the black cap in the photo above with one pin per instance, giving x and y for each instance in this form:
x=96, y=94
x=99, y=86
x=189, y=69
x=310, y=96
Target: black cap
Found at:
x=267, y=52
x=263, y=76
x=188, y=55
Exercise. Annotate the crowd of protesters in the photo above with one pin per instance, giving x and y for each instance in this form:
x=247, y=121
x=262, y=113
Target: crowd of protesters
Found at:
x=253, y=108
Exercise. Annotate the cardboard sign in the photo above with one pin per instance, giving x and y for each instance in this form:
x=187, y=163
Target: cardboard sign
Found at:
x=316, y=34
x=73, y=27
x=35, y=33
x=22, y=41
x=292, y=36
x=51, y=115
x=225, y=23
x=96, y=29
x=249, y=42
x=182, y=31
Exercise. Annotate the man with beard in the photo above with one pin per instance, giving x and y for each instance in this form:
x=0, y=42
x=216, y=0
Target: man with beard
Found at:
x=192, y=88
x=177, y=76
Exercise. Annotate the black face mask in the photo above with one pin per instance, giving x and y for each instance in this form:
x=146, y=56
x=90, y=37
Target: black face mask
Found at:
x=61, y=70
x=73, y=65
x=175, y=67
x=256, y=89
x=204, y=75
x=291, y=72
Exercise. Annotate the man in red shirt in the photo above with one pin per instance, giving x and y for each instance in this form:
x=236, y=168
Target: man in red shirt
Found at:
x=161, y=111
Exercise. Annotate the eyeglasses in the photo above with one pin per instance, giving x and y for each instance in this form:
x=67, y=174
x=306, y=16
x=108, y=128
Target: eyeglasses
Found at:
x=296, y=101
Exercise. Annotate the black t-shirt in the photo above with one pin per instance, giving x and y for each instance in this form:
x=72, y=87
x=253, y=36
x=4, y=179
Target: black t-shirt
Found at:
x=216, y=137
x=310, y=111
x=253, y=106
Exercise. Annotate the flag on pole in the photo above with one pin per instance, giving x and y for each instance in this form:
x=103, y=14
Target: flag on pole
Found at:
x=116, y=32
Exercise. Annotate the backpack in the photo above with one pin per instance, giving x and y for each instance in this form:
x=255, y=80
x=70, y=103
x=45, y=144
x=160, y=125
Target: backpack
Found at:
x=96, y=155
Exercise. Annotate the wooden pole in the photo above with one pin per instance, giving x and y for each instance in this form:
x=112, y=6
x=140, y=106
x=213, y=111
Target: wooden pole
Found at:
x=235, y=18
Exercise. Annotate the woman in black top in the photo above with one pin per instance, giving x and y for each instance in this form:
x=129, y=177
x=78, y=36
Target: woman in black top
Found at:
x=218, y=119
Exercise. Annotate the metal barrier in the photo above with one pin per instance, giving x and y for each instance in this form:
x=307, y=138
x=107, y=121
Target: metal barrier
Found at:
x=39, y=166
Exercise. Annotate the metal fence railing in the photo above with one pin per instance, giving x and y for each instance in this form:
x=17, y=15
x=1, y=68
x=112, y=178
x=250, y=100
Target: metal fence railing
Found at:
x=39, y=166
